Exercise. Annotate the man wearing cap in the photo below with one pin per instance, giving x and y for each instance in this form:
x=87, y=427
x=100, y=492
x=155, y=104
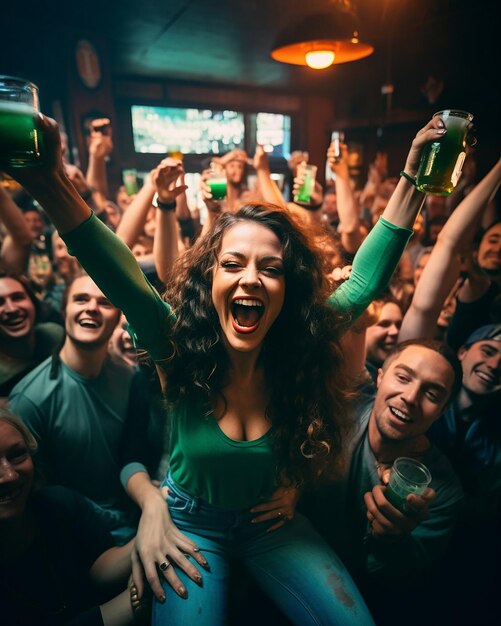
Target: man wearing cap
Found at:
x=470, y=430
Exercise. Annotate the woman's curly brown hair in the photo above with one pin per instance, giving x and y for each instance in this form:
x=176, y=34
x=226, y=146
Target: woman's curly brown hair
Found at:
x=301, y=357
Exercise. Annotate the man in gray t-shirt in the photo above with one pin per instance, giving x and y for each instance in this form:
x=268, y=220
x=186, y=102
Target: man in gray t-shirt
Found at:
x=375, y=540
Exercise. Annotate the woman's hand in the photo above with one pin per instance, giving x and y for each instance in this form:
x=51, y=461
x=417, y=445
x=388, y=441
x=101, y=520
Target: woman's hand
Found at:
x=160, y=545
x=434, y=130
x=260, y=160
x=100, y=141
x=51, y=163
x=281, y=506
x=317, y=195
x=339, y=165
x=166, y=179
x=214, y=206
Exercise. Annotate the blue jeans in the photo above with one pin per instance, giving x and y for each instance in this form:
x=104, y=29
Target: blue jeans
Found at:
x=293, y=565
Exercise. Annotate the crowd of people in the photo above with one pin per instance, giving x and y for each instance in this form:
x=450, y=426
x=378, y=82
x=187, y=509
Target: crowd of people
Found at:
x=199, y=417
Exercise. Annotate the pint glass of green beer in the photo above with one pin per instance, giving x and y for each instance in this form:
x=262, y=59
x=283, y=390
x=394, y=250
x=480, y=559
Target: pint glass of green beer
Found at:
x=442, y=160
x=20, y=141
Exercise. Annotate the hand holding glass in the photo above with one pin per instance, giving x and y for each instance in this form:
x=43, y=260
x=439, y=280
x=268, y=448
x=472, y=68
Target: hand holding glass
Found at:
x=217, y=182
x=309, y=173
x=407, y=476
x=20, y=140
x=442, y=160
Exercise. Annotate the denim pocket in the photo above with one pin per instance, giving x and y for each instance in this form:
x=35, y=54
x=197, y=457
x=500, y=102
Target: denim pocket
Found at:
x=175, y=503
x=176, y=500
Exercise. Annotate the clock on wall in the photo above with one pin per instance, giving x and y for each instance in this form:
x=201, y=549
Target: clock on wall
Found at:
x=88, y=65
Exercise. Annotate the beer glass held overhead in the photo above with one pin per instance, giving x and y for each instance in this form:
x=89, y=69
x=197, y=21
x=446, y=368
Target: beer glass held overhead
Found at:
x=20, y=141
x=309, y=173
x=217, y=182
x=442, y=160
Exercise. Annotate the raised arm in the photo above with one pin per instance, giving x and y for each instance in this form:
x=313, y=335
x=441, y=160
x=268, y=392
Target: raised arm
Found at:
x=347, y=205
x=267, y=186
x=133, y=220
x=15, y=250
x=165, y=243
x=378, y=256
x=100, y=146
x=442, y=269
x=102, y=254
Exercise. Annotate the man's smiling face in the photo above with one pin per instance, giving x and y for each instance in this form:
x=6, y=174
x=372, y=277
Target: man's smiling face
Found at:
x=481, y=364
x=413, y=390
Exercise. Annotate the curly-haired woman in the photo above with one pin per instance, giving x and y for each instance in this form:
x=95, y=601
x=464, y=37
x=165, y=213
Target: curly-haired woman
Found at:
x=250, y=362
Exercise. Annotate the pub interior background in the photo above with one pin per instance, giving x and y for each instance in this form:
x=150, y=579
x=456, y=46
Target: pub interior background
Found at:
x=107, y=57
x=110, y=56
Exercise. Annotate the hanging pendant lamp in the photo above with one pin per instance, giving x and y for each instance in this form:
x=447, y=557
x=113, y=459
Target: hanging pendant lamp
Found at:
x=321, y=40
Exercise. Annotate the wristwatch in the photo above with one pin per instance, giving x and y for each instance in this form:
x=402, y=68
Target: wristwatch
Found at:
x=163, y=206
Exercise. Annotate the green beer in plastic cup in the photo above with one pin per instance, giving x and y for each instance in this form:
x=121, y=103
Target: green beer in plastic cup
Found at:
x=20, y=140
x=306, y=189
x=407, y=476
x=217, y=187
x=442, y=160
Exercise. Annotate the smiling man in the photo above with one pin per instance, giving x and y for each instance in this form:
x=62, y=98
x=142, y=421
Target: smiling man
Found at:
x=470, y=431
x=382, y=337
x=383, y=548
x=83, y=407
x=24, y=343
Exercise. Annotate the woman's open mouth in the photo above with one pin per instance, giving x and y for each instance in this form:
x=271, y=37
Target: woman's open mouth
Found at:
x=246, y=314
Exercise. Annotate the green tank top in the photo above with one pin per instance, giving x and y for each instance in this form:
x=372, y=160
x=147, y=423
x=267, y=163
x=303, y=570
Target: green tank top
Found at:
x=207, y=464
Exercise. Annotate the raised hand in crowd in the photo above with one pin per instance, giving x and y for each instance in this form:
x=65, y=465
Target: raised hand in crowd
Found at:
x=347, y=205
x=317, y=194
x=268, y=188
x=442, y=269
x=214, y=207
x=168, y=181
x=140, y=211
x=100, y=146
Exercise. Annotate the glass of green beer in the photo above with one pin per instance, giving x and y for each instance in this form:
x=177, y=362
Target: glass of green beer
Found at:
x=309, y=173
x=129, y=179
x=20, y=141
x=217, y=182
x=407, y=476
x=442, y=160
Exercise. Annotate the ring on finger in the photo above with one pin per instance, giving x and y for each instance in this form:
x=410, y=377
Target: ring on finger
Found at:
x=164, y=565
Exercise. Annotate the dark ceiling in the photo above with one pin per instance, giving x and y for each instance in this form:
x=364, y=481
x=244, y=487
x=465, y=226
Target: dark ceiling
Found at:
x=229, y=42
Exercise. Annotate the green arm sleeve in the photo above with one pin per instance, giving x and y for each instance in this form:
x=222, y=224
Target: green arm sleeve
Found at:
x=373, y=266
x=114, y=269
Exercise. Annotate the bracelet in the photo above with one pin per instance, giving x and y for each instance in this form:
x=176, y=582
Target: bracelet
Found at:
x=410, y=178
x=166, y=206
x=163, y=206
